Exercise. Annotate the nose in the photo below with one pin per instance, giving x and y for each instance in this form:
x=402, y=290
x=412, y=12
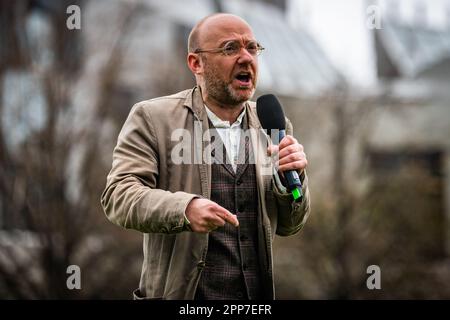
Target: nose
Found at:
x=245, y=56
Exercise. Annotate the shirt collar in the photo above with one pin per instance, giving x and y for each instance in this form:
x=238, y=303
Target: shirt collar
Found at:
x=219, y=123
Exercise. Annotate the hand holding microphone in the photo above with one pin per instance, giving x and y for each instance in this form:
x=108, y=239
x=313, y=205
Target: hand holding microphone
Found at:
x=291, y=157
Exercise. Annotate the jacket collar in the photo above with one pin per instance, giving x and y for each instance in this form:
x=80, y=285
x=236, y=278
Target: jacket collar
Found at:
x=194, y=102
x=253, y=120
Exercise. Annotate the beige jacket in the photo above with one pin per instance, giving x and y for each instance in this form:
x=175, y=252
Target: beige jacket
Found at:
x=148, y=192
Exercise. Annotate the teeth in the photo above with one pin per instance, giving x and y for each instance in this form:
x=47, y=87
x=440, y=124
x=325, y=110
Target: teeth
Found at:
x=246, y=75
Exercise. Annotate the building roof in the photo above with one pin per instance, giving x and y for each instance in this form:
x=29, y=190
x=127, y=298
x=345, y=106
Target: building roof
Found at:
x=410, y=50
x=293, y=63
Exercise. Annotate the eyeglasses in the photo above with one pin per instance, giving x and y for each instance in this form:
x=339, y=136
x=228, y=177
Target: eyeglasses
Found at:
x=232, y=48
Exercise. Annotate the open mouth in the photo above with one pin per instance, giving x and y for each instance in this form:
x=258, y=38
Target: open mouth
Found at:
x=244, y=78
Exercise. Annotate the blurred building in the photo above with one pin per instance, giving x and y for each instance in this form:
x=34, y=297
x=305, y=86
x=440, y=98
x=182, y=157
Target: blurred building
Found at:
x=378, y=152
x=408, y=56
x=413, y=65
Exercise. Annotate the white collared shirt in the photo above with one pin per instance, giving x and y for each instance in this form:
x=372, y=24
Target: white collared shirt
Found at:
x=230, y=134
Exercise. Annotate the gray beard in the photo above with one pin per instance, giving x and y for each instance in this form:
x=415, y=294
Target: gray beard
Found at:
x=222, y=92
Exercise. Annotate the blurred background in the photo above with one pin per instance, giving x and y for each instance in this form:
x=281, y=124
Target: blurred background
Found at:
x=365, y=83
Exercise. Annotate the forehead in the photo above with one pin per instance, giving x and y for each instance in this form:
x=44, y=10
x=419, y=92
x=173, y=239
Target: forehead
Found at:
x=220, y=28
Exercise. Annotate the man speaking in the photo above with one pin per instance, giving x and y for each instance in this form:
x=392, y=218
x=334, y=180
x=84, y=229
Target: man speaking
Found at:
x=209, y=221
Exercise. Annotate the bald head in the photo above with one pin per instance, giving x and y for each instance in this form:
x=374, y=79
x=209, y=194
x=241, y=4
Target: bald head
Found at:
x=203, y=29
x=227, y=79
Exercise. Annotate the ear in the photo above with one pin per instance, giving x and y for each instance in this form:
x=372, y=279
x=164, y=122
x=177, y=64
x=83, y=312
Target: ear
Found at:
x=195, y=63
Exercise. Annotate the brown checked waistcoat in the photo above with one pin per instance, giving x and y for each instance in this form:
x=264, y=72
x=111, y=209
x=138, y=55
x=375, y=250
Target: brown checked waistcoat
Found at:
x=232, y=268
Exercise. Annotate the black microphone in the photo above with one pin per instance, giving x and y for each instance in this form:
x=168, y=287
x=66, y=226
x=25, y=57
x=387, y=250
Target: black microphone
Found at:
x=271, y=116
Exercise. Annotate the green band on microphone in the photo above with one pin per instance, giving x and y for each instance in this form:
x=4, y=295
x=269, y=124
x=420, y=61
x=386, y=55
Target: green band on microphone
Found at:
x=296, y=193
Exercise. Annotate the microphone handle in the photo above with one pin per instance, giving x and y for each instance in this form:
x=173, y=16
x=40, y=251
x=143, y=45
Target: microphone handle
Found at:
x=294, y=185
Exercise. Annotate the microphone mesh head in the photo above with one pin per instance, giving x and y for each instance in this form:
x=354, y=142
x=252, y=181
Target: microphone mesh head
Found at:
x=270, y=112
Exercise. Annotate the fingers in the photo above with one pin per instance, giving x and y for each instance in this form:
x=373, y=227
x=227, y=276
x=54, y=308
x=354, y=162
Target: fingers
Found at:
x=295, y=156
x=205, y=216
x=287, y=146
x=227, y=215
x=214, y=222
x=272, y=150
x=208, y=224
x=290, y=154
x=219, y=219
x=286, y=141
x=296, y=165
x=289, y=149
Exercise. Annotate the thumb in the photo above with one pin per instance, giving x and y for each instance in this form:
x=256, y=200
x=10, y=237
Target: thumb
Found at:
x=272, y=149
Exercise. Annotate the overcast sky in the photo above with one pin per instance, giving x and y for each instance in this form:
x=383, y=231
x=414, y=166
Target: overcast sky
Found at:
x=340, y=29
